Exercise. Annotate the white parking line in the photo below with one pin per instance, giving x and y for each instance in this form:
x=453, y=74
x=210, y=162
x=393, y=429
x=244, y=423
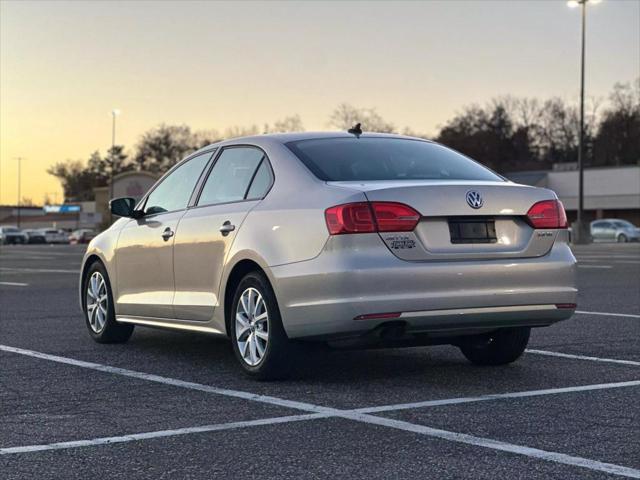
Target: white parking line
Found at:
x=159, y=434
x=594, y=266
x=498, y=396
x=15, y=284
x=609, y=260
x=172, y=381
x=583, y=357
x=319, y=412
x=503, y=446
x=600, y=255
x=608, y=314
x=38, y=270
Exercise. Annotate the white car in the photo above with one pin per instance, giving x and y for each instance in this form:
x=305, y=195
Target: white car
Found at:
x=12, y=235
x=55, y=236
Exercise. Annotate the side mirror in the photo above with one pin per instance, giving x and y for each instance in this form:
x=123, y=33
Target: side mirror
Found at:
x=124, y=207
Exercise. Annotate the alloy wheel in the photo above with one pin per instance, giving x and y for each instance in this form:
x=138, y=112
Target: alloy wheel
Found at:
x=97, y=302
x=252, y=326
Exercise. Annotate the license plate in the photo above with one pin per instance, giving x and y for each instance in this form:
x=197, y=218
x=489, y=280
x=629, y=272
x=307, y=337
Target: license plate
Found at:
x=473, y=230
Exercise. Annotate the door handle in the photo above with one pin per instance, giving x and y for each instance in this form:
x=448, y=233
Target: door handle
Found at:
x=226, y=228
x=167, y=234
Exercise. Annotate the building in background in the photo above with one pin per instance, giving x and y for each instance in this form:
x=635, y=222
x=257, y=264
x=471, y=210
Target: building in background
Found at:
x=609, y=192
x=127, y=184
x=72, y=216
x=66, y=216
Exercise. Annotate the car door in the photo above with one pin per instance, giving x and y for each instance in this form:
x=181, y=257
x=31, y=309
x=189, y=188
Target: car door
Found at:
x=597, y=230
x=144, y=254
x=608, y=231
x=238, y=179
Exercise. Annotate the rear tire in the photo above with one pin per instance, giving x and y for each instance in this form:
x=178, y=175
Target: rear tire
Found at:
x=98, y=306
x=263, y=349
x=497, y=348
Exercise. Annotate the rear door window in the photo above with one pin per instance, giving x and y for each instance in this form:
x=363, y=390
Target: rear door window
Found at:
x=261, y=181
x=234, y=178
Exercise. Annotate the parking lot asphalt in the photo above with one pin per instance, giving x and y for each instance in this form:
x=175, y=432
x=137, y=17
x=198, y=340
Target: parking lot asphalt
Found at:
x=176, y=405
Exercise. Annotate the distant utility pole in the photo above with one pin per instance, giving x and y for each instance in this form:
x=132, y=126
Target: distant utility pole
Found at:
x=19, y=159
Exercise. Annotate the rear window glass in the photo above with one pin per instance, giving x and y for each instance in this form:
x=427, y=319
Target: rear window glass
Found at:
x=368, y=159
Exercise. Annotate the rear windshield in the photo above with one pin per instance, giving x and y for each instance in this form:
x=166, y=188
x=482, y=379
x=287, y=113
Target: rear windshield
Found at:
x=366, y=159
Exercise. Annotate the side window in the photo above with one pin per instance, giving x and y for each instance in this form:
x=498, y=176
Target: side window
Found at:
x=261, y=182
x=231, y=175
x=176, y=189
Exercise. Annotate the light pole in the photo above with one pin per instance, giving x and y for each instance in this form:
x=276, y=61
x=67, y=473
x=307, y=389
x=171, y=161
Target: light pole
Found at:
x=114, y=113
x=19, y=159
x=580, y=234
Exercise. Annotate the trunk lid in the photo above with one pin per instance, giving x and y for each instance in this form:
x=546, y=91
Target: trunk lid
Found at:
x=446, y=213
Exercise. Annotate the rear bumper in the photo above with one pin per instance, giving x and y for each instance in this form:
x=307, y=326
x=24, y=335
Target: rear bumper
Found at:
x=357, y=275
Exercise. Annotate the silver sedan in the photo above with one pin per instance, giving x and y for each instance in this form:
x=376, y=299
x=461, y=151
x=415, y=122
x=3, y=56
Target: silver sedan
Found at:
x=346, y=238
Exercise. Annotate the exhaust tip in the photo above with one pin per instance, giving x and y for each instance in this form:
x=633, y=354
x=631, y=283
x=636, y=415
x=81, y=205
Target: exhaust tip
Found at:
x=373, y=316
x=566, y=306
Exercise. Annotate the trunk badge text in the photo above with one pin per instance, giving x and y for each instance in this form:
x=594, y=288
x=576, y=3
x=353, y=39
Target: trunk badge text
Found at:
x=401, y=242
x=474, y=199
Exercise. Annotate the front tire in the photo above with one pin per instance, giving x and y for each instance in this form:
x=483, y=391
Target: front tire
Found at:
x=497, y=348
x=259, y=340
x=99, y=312
x=622, y=238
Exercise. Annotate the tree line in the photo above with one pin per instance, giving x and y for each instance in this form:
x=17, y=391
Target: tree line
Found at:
x=507, y=134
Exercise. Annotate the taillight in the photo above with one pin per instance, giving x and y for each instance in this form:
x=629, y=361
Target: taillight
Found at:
x=395, y=217
x=547, y=214
x=369, y=217
x=350, y=218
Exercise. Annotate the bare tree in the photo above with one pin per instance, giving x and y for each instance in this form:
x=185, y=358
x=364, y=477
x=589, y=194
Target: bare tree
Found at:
x=346, y=116
x=292, y=123
x=237, y=131
x=162, y=147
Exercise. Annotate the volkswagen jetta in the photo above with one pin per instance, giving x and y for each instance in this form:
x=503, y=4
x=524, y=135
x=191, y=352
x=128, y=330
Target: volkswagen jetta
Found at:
x=357, y=240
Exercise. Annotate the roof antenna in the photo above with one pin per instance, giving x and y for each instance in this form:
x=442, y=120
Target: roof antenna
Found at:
x=355, y=130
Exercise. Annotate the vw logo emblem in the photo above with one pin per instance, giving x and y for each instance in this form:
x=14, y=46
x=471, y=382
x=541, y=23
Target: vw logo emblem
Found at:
x=474, y=199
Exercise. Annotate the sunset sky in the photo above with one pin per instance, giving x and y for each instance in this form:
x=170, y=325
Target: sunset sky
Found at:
x=65, y=65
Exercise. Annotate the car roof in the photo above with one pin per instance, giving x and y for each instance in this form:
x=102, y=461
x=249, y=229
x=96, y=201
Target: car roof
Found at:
x=297, y=136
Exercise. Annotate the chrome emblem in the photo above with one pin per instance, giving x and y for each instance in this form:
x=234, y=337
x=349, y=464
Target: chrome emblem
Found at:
x=474, y=199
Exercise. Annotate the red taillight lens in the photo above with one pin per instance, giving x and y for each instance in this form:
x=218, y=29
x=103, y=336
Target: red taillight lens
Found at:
x=547, y=214
x=365, y=217
x=350, y=218
x=395, y=217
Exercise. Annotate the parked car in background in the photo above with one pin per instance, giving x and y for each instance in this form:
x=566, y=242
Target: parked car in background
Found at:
x=52, y=235
x=12, y=235
x=35, y=236
x=84, y=235
x=614, y=230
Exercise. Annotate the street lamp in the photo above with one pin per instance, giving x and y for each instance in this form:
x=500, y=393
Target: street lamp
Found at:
x=580, y=234
x=114, y=113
